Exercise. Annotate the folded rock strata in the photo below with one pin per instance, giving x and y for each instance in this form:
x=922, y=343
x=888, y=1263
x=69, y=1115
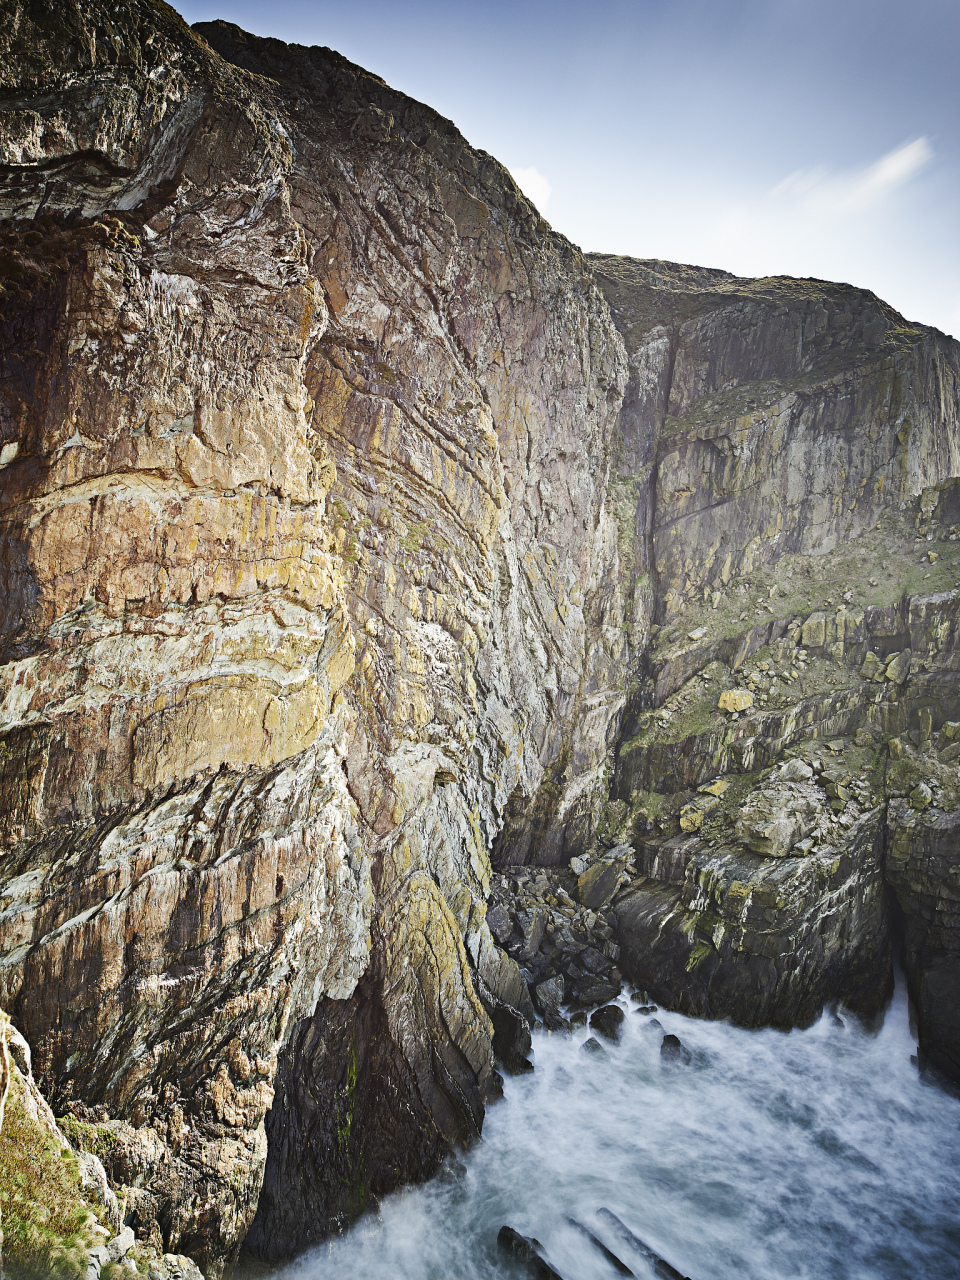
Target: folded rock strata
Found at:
x=307, y=571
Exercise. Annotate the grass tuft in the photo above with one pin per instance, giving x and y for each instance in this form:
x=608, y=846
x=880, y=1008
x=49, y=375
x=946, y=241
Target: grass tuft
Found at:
x=45, y=1219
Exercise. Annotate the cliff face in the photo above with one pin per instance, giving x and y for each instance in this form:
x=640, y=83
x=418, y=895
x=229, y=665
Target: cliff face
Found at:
x=306, y=572
x=360, y=536
x=784, y=494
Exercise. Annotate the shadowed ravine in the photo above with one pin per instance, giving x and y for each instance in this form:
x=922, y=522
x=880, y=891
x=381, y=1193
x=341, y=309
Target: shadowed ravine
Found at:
x=818, y=1153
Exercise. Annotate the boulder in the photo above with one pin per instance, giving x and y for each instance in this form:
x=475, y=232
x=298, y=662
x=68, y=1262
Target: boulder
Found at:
x=593, y=961
x=898, y=668
x=549, y=994
x=588, y=992
x=796, y=770
x=733, y=700
x=532, y=924
x=501, y=926
x=608, y=1021
x=600, y=882
x=120, y=1245
x=672, y=1049
x=920, y=796
x=178, y=1267
x=93, y=1181
x=774, y=818
x=872, y=668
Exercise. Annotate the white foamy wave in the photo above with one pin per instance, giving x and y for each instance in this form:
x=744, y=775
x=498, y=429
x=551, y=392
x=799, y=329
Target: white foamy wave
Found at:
x=810, y=1155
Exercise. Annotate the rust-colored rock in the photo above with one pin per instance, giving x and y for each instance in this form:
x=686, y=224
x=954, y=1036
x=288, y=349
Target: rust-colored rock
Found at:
x=306, y=575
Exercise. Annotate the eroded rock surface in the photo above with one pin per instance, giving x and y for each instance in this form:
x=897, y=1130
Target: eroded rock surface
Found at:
x=307, y=572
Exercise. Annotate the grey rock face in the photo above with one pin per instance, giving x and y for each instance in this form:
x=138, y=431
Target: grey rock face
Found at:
x=922, y=868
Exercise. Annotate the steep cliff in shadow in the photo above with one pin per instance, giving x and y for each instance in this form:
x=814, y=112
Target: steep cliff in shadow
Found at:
x=360, y=536
x=788, y=762
x=784, y=488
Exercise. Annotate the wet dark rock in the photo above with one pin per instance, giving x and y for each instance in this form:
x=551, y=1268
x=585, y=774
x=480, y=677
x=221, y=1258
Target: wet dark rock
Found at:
x=532, y=924
x=921, y=856
x=611, y=1257
x=592, y=1046
x=494, y=1087
x=511, y=1039
x=653, y=1025
x=645, y=1008
x=592, y=961
x=608, y=1021
x=600, y=882
x=661, y=1267
x=504, y=993
x=501, y=926
x=549, y=994
x=528, y=1250
x=672, y=1049
x=590, y=992
x=797, y=932
x=549, y=997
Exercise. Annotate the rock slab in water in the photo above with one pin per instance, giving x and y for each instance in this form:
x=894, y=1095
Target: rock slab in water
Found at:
x=608, y=1021
x=661, y=1266
x=527, y=1250
x=672, y=1049
x=617, y=1263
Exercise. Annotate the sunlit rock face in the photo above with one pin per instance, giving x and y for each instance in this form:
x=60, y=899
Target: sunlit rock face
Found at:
x=307, y=570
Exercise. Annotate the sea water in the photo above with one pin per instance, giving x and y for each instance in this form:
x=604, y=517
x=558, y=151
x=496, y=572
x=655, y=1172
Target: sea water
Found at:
x=812, y=1154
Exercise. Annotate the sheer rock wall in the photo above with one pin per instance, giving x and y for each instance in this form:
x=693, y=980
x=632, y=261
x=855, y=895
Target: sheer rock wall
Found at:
x=306, y=570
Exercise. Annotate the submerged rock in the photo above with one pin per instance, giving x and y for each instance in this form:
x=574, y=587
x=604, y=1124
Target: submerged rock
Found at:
x=661, y=1267
x=527, y=1250
x=673, y=1050
x=617, y=1263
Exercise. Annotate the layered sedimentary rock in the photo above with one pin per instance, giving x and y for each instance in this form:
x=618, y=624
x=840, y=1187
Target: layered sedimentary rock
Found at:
x=359, y=537
x=307, y=571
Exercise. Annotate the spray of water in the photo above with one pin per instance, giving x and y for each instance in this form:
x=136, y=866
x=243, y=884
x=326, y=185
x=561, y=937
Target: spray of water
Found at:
x=814, y=1154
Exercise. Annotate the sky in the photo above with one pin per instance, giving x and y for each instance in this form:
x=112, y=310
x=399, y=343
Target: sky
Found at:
x=789, y=137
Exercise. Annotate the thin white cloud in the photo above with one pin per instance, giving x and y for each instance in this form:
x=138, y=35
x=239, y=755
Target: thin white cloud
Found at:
x=533, y=185
x=838, y=193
